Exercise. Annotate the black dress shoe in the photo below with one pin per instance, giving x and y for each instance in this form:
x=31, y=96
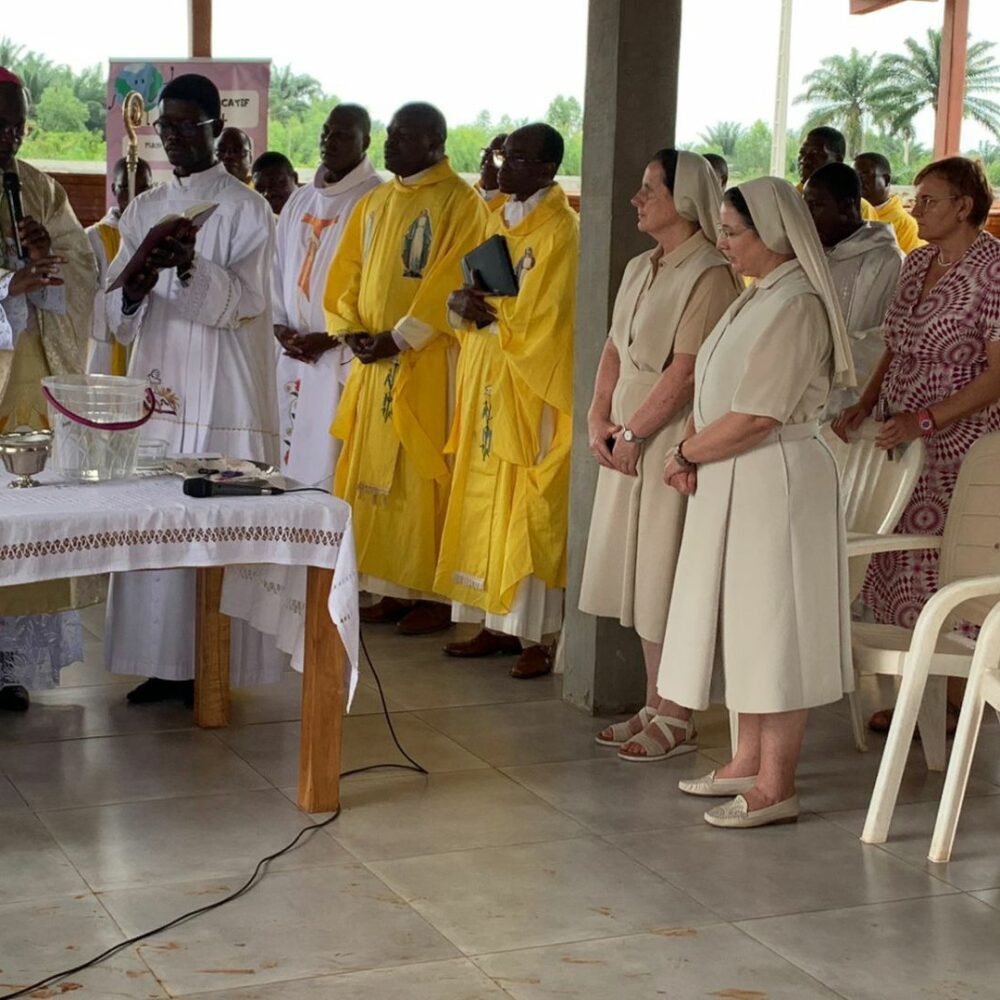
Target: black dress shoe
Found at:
x=158, y=689
x=14, y=698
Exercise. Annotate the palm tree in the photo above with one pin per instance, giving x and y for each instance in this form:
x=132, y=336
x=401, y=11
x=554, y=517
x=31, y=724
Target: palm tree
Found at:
x=37, y=72
x=914, y=80
x=848, y=93
x=723, y=136
x=291, y=93
x=10, y=53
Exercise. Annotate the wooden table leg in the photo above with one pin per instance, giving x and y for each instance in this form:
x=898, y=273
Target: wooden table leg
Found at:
x=211, y=683
x=323, y=697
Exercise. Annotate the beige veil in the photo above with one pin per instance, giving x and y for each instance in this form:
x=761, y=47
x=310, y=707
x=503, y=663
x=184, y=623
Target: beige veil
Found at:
x=783, y=222
x=697, y=195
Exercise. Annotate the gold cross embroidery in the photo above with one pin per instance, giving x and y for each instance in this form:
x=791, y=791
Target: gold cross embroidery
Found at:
x=305, y=272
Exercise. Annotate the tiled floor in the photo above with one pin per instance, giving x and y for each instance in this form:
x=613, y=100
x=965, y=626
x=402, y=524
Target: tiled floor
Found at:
x=528, y=864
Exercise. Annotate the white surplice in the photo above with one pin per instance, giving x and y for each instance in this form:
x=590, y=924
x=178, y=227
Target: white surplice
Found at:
x=309, y=231
x=865, y=270
x=206, y=349
x=272, y=598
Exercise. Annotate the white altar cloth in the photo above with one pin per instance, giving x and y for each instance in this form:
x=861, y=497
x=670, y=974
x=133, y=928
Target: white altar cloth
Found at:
x=77, y=529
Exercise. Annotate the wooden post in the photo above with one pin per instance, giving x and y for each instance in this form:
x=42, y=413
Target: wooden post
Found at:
x=951, y=91
x=200, y=28
x=322, y=700
x=211, y=683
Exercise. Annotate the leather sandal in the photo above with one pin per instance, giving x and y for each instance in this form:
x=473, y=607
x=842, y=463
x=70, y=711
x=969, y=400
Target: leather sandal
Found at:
x=653, y=749
x=620, y=733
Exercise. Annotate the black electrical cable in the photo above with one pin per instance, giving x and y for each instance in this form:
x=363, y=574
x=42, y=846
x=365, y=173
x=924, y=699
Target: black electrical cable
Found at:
x=258, y=871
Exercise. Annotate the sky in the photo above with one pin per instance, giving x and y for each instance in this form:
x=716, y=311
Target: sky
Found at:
x=459, y=57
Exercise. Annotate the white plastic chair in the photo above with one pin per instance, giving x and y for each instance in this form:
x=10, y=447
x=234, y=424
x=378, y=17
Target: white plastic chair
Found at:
x=969, y=573
x=983, y=689
x=874, y=491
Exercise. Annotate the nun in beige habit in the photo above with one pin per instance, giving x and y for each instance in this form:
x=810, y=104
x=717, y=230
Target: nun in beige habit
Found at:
x=670, y=298
x=759, y=611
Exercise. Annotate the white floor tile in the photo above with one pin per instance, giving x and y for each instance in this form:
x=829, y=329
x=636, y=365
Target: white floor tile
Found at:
x=500, y=898
x=178, y=840
x=293, y=925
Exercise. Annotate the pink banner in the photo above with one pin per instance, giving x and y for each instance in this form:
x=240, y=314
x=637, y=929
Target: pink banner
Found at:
x=243, y=86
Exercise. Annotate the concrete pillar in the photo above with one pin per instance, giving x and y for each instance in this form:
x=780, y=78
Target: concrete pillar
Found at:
x=630, y=110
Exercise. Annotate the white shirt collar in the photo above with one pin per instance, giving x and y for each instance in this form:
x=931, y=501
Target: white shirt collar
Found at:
x=514, y=212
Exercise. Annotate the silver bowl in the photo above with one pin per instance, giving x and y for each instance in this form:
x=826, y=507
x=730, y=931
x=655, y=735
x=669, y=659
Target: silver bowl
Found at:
x=24, y=455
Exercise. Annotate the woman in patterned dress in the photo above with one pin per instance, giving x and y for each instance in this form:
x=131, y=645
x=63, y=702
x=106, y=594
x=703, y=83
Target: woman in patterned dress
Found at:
x=940, y=375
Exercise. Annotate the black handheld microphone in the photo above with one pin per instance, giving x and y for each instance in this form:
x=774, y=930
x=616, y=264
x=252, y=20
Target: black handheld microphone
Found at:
x=201, y=487
x=12, y=195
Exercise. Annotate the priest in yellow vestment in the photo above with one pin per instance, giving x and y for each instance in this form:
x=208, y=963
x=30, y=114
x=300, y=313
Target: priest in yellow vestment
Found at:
x=875, y=172
x=503, y=553
x=386, y=296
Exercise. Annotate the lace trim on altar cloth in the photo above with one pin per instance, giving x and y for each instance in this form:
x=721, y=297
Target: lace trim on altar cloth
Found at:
x=169, y=536
x=34, y=648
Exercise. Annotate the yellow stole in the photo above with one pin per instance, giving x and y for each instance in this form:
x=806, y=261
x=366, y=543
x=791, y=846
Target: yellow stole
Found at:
x=111, y=240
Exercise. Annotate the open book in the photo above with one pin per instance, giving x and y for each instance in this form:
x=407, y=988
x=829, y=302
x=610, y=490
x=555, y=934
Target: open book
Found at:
x=167, y=226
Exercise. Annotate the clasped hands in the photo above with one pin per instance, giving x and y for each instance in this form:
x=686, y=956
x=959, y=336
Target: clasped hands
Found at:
x=609, y=447
x=899, y=429
x=368, y=348
x=305, y=347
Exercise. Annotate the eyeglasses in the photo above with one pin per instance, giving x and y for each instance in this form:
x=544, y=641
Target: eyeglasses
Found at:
x=16, y=130
x=500, y=157
x=724, y=232
x=925, y=201
x=187, y=130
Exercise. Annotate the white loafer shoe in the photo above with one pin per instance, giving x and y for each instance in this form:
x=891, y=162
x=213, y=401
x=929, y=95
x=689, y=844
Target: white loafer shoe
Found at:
x=736, y=815
x=709, y=784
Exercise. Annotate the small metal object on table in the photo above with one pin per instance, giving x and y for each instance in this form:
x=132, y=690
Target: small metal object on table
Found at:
x=71, y=529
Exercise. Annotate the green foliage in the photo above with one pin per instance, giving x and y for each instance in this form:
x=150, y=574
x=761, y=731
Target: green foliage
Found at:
x=752, y=154
x=292, y=95
x=848, y=93
x=565, y=115
x=60, y=110
x=722, y=137
x=914, y=78
x=81, y=145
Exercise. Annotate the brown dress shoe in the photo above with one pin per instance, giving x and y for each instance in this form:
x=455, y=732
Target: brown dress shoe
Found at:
x=485, y=643
x=426, y=618
x=535, y=661
x=385, y=612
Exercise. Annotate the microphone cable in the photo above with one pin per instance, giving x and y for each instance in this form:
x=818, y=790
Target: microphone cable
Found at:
x=261, y=868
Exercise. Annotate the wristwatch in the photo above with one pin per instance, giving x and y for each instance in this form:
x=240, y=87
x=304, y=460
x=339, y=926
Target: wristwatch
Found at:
x=630, y=437
x=926, y=421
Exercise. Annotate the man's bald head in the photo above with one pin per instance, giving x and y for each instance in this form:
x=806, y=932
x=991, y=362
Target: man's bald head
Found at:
x=415, y=139
x=531, y=157
x=235, y=149
x=13, y=118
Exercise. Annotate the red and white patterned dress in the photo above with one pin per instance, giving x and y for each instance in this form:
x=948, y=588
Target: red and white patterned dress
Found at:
x=939, y=347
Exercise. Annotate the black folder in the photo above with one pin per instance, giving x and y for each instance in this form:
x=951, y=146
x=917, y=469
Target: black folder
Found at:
x=490, y=262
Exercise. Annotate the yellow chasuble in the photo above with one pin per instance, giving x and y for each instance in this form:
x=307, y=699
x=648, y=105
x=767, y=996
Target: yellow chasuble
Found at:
x=893, y=213
x=398, y=260
x=111, y=240
x=508, y=510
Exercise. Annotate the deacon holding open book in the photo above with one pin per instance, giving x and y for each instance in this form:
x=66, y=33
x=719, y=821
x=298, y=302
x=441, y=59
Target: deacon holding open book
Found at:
x=190, y=290
x=503, y=552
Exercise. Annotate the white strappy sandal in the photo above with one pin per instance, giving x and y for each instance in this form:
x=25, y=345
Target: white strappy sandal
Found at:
x=654, y=751
x=620, y=732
